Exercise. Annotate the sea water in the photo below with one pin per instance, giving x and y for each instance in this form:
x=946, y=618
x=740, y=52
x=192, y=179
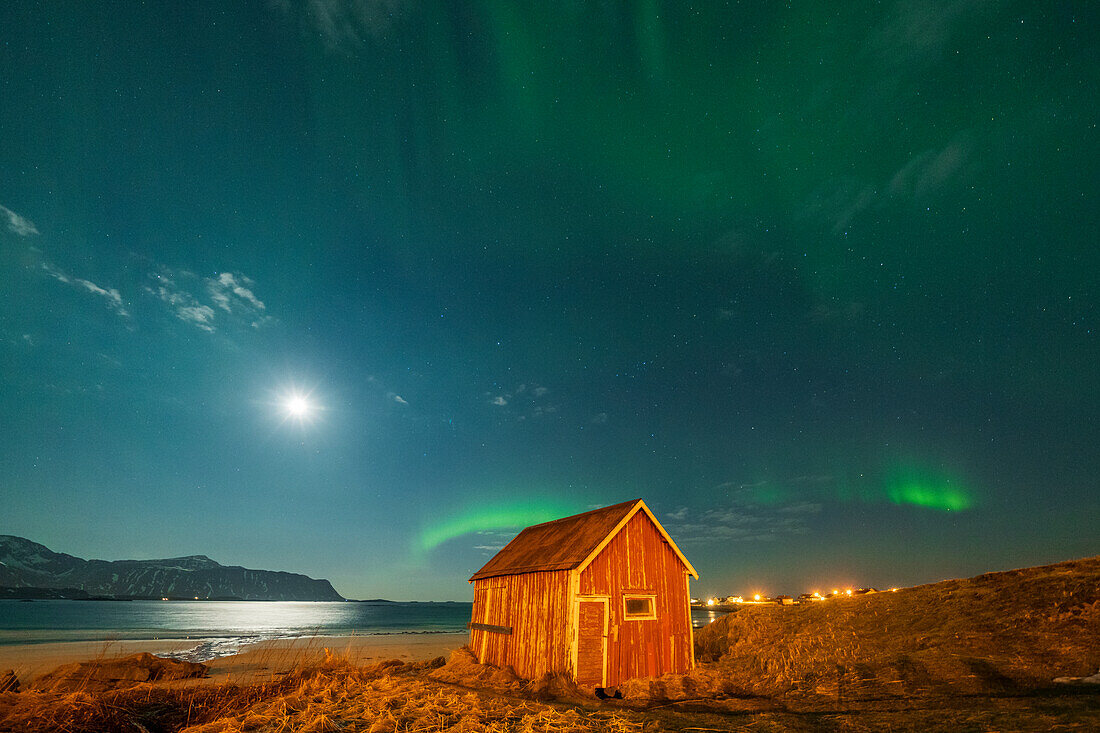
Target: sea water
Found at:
x=223, y=627
x=219, y=627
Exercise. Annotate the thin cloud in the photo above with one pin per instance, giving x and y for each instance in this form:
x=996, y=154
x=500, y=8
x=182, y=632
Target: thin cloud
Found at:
x=347, y=25
x=226, y=285
x=200, y=315
x=114, y=298
x=927, y=172
x=528, y=401
x=919, y=32
x=740, y=521
x=493, y=541
x=111, y=295
x=802, y=507
x=813, y=478
x=20, y=225
x=203, y=302
x=921, y=177
x=399, y=399
x=184, y=305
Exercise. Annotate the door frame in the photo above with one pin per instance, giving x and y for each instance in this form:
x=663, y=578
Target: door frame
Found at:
x=606, y=601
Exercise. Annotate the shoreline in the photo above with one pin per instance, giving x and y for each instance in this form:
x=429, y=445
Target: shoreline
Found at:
x=252, y=661
x=13, y=638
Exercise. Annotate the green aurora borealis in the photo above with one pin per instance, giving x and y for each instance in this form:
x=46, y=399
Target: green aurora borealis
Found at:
x=907, y=486
x=817, y=282
x=484, y=519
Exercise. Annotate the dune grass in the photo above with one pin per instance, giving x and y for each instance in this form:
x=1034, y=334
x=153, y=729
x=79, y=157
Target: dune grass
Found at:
x=999, y=633
x=336, y=695
x=330, y=695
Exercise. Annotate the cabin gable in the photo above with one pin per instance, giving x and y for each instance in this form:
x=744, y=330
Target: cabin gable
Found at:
x=646, y=585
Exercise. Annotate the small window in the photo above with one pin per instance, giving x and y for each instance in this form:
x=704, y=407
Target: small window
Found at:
x=638, y=608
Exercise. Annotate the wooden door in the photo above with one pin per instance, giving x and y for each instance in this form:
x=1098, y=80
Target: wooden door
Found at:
x=592, y=642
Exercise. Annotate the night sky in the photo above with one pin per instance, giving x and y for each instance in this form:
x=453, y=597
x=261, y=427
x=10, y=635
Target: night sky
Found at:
x=818, y=283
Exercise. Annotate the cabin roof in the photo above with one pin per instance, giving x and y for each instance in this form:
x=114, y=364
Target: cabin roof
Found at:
x=567, y=543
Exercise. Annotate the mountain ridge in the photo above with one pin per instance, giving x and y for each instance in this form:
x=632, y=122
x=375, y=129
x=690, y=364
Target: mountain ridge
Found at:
x=25, y=563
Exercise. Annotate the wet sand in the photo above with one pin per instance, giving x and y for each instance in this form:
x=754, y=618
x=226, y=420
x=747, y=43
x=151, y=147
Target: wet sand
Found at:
x=255, y=662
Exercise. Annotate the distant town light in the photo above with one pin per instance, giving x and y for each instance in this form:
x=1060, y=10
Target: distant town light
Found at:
x=756, y=597
x=849, y=591
x=710, y=601
x=836, y=592
x=893, y=590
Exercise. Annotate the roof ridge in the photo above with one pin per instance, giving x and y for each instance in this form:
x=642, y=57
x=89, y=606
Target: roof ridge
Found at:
x=632, y=502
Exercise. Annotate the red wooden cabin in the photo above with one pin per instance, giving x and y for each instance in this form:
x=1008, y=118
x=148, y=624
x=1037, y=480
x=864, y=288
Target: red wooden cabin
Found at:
x=601, y=597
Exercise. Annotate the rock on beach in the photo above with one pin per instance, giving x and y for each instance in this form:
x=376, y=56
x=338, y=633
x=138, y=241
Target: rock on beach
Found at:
x=106, y=674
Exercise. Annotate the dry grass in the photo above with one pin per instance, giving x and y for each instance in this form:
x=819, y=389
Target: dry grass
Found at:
x=333, y=695
x=999, y=633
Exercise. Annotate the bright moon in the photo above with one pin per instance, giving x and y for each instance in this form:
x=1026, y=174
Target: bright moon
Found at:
x=297, y=406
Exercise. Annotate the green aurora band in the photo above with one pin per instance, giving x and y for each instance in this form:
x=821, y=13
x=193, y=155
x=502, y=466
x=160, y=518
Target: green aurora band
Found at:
x=516, y=515
x=928, y=490
x=905, y=486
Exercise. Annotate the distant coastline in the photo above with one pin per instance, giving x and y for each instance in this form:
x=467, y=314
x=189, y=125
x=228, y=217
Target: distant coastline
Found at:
x=31, y=571
x=34, y=593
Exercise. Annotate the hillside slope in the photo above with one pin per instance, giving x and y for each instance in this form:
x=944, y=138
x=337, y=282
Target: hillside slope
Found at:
x=28, y=564
x=999, y=632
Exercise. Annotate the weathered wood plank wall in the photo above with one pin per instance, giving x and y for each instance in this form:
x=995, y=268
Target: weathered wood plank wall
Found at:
x=536, y=607
x=638, y=560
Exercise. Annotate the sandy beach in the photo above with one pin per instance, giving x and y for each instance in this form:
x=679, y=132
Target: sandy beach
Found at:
x=255, y=662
